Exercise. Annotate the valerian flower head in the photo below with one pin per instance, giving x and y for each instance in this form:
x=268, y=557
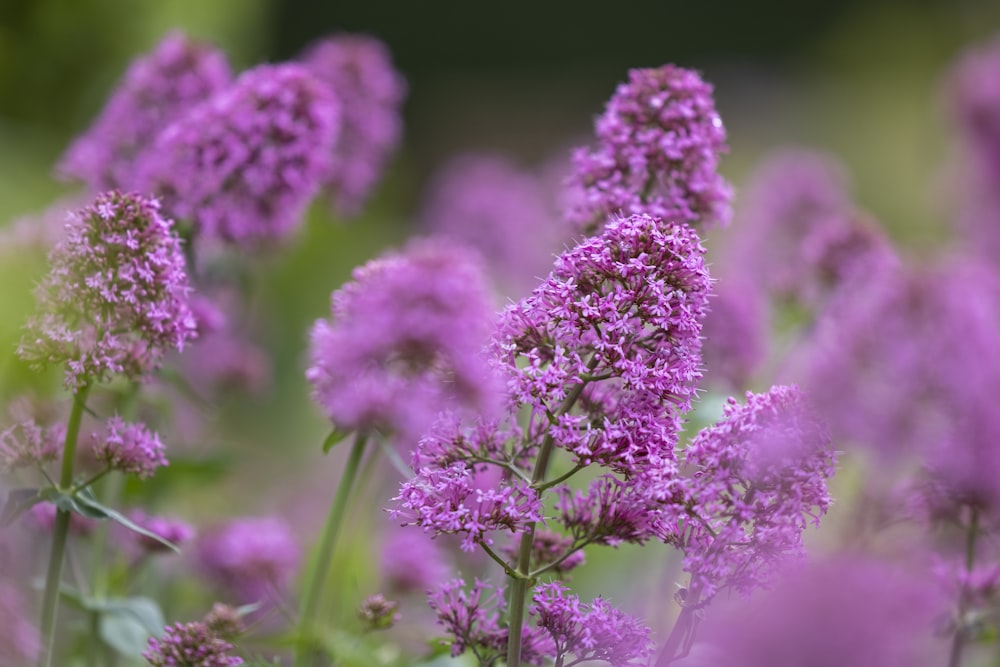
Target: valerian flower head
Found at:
x=657, y=153
x=595, y=631
x=157, y=89
x=129, y=448
x=617, y=327
x=116, y=297
x=405, y=342
x=242, y=165
x=358, y=70
x=190, y=645
x=759, y=478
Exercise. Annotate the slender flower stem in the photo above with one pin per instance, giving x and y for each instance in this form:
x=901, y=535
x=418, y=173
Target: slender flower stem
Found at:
x=60, y=532
x=328, y=540
x=958, y=641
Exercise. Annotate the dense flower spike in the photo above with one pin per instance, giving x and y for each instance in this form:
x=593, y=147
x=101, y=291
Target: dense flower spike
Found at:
x=759, y=477
x=116, y=297
x=491, y=204
x=658, y=147
x=618, y=319
x=27, y=443
x=472, y=620
x=846, y=612
x=190, y=645
x=157, y=89
x=405, y=342
x=596, y=631
x=448, y=501
x=129, y=448
x=243, y=165
x=252, y=558
x=358, y=71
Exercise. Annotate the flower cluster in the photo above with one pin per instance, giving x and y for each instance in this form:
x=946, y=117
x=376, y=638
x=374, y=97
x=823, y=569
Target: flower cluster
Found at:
x=26, y=443
x=116, y=297
x=190, y=645
x=378, y=613
x=156, y=90
x=405, y=342
x=596, y=631
x=242, y=165
x=658, y=147
x=757, y=478
x=358, y=70
x=129, y=448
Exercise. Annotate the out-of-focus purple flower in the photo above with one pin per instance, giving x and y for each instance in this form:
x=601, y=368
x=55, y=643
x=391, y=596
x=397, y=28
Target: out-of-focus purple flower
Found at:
x=411, y=561
x=472, y=620
x=448, y=501
x=618, y=319
x=735, y=333
x=129, y=448
x=854, y=612
x=358, y=71
x=253, y=558
x=405, y=342
x=27, y=443
x=759, y=476
x=492, y=205
x=157, y=89
x=596, y=631
x=116, y=297
x=658, y=147
x=43, y=514
x=20, y=642
x=190, y=645
x=975, y=100
x=611, y=511
x=175, y=531
x=242, y=165
x=224, y=361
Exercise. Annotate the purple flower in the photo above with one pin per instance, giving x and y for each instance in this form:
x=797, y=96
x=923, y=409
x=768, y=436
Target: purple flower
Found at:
x=975, y=100
x=242, y=165
x=611, y=511
x=854, y=612
x=253, y=558
x=472, y=620
x=758, y=478
x=129, y=448
x=157, y=89
x=448, y=501
x=26, y=443
x=489, y=203
x=411, y=562
x=190, y=645
x=20, y=643
x=658, y=147
x=596, y=631
x=175, y=531
x=617, y=326
x=735, y=330
x=358, y=71
x=405, y=342
x=116, y=297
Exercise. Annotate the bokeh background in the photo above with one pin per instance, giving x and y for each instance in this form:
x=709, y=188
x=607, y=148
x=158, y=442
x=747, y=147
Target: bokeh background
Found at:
x=861, y=79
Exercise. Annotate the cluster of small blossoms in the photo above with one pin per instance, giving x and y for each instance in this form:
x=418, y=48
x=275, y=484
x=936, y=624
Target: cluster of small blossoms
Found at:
x=116, y=297
x=253, y=558
x=26, y=444
x=378, y=613
x=596, y=631
x=617, y=324
x=156, y=90
x=658, y=147
x=190, y=645
x=404, y=342
x=757, y=478
x=242, y=165
x=129, y=448
x=358, y=69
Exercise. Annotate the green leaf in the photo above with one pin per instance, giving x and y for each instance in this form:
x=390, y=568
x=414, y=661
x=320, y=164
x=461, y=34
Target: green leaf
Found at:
x=18, y=502
x=74, y=504
x=126, y=624
x=335, y=438
x=86, y=500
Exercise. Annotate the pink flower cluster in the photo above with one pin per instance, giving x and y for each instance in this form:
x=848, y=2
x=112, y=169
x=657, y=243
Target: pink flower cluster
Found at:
x=129, y=448
x=190, y=645
x=26, y=443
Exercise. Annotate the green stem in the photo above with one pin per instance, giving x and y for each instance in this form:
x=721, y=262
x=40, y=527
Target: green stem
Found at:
x=328, y=540
x=60, y=532
x=958, y=641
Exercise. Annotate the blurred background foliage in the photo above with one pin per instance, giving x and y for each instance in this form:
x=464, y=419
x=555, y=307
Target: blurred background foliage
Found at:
x=861, y=79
